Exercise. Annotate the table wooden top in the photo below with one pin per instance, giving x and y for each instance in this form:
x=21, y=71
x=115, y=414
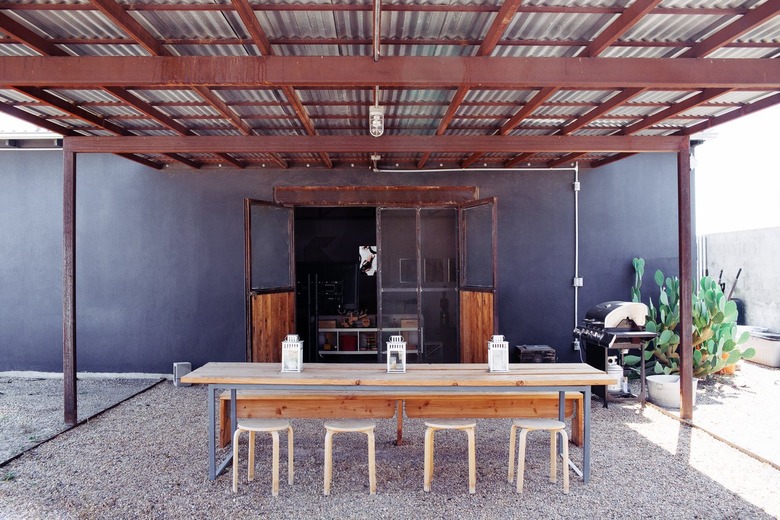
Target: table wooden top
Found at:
x=423, y=375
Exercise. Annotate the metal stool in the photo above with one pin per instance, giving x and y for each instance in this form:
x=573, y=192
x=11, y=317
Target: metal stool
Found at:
x=450, y=424
x=333, y=427
x=526, y=425
x=270, y=426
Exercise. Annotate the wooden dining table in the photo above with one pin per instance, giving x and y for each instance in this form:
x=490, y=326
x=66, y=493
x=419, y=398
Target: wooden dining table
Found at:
x=373, y=379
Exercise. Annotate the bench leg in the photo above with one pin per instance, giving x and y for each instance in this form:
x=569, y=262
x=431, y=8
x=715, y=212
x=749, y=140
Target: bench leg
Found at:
x=328, y=462
x=521, y=460
x=428, y=459
x=275, y=464
x=371, y=463
x=472, y=461
x=578, y=423
x=289, y=455
x=512, y=435
x=399, y=410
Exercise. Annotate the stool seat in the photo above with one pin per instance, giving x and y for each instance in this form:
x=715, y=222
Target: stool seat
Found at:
x=450, y=424
x=467, y=425
x=528, y=425
x=539, y=424
x=263, y=425
x=272, y=426
x=349, y=426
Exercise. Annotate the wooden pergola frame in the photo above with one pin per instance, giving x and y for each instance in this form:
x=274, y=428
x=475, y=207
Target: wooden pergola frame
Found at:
x=621, y=144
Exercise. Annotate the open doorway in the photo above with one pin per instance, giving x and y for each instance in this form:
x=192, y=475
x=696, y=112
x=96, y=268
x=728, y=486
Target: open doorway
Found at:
x=336, y=299
x=434, y=283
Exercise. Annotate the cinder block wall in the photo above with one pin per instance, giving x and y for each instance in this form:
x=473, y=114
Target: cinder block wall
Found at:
x=756, y=251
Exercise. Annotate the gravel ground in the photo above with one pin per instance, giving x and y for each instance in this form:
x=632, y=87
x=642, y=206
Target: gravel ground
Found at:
x=146, y=458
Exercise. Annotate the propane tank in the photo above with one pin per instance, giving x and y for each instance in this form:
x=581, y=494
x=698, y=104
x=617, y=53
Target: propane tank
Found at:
x=616, y=372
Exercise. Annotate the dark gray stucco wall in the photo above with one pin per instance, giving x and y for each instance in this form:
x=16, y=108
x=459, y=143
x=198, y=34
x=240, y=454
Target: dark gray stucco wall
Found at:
x=160, y=253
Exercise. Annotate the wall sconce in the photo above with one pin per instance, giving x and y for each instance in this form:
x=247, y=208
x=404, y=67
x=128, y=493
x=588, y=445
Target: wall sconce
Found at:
x=498, y=354
x=396, y=355
x=292, y=354
x=376, y=120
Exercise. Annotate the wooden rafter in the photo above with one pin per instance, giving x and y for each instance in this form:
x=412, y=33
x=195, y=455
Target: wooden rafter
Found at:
x=488, y=45
x=260, y=39
x=619, y=27
x=598, y=111
x=734, y=114
x=539, y=98
x=687, y=104
x=752, y=19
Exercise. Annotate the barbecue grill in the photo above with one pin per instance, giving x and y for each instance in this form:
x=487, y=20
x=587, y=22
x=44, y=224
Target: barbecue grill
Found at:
x=617, y=326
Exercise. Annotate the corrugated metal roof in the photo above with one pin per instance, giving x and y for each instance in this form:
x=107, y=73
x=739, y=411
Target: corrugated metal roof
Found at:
x=451, y=31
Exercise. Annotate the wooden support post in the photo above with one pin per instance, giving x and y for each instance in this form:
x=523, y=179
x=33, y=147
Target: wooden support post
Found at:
x=69, y=287
x=686, y=287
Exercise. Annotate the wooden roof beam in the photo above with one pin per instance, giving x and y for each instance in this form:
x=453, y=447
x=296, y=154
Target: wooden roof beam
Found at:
x=368, y=144
x=598, y=111
x=517, y=160
x=539, y=98
x=456, y=101
x=393, y=71
x=492, y=36
x=767, y=102
x=619, y=27
x=568, y=158
x=676, y=108
x=28, y=37
x=752, y=19
x=260, y=39
x=117, y=14
x=497, y=29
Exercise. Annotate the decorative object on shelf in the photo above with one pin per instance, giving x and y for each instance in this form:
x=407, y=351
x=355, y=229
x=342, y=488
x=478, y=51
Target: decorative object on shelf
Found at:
x=396, y=355
x=354, y=319
x=292, y=354
x=368, y=260
x=498, y=354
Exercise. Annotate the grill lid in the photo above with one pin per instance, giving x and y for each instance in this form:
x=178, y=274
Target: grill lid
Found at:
x=613, y=314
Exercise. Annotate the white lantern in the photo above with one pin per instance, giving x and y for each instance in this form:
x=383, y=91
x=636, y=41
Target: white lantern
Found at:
x=498, y=354
x=292, y=354
x=396, y=355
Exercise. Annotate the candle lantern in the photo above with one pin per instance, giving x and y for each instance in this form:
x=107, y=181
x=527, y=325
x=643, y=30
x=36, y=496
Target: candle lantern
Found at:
x=292, y=354
x=498, y=354
x=396, y=354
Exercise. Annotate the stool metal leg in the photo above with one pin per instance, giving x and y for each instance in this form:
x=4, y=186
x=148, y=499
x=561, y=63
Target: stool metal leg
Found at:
x=235, y=460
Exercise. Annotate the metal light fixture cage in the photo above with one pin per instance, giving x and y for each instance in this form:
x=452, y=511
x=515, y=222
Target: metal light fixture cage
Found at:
x=396, y=355
x=376, y=120
x=498, y=354
x=292, y=354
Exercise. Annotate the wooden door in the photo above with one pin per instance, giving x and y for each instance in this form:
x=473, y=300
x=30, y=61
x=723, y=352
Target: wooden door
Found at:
x=477, y=291
x=269, y=278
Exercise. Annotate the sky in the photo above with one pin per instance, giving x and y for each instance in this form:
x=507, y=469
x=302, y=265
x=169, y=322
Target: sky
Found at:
x=737, y=177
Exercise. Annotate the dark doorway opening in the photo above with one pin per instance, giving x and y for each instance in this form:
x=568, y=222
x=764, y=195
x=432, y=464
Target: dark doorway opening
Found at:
x=330, y=285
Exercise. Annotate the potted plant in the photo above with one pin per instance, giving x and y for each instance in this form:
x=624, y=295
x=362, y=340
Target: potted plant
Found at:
x=714, y=332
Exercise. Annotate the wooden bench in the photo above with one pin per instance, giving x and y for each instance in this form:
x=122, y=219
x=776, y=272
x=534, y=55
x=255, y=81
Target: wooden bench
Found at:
x=304, y=404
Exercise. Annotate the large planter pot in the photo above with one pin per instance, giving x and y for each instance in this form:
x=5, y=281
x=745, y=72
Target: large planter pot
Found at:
x=664, y=390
